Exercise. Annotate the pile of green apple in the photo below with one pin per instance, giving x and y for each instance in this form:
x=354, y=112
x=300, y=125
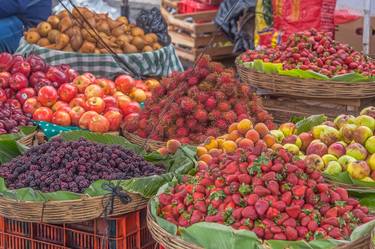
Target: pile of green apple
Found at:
x=345, y=144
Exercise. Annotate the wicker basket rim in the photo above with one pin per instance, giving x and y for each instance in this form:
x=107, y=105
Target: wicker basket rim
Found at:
x=311, y=80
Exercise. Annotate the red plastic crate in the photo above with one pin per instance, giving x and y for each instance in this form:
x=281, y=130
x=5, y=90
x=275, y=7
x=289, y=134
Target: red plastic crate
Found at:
x=211, y=2
x=191, y=6
x=123, y=232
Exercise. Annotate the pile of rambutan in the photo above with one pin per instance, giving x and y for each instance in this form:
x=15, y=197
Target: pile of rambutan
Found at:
x=200, y=102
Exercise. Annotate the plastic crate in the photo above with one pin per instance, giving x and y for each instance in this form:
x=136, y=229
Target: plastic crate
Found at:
x=123, y=232
x=191, y=6
x=211, y=2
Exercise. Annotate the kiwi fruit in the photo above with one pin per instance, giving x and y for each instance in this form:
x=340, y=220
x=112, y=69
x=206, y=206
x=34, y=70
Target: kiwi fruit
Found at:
x=137, y=31
x=52, y=35
x=65, y=24
x=138, y=42
x=129, y=48
x=62, y=40
x=32, y=37
x=54, y=21
x=147, y=49
x=156, y=46
x=44, y=28
x=43, y=42
x=87, y=47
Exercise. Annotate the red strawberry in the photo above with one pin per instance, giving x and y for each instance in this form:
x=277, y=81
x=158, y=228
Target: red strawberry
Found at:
x=335, y=233
x=291, y=168
x=279, y=236
x=287, y=197
x=322, y=187
x=231, y=178
x=299, y=191
x=252, y=199
x=196, y=216
x=312, y=226
x=237, y=213
x=302, y=231
x=324, y=197
x=343, y=193
x=352, y=201
x=334, y=196
x=201, y=206
x=244, y=178
x=261, y=207
x=198, y=196
x=237, y=199
x=261, y=191
x=276, y=229
x=268, y=234
x=277, y=167
x=259, y=232
x=291, y=233
x=230, y=168
x=290, y=222
x=293, y=211
x=272, y=213
x=183, y=221
x=283, y=217
x=249, y=212
x=279, y=205
x=332, y=212
x=269, y=176
x=331, y=221
x=305, y=220
x=273, y=186
x=292, y=179
x=165, y=199
x=219, y=182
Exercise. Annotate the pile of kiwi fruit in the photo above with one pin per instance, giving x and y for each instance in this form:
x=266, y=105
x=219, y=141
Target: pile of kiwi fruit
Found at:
x=64, y=32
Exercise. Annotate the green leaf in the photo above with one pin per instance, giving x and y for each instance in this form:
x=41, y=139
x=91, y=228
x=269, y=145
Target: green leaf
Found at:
x=326, y=244
x=9, y=149
x=269, y=67
x=24, y=131
x=308, y=123
x=249, y=65
x=146, y=186
x=27, y=130
x=62, y=196
x=362, y=230
x=258, y=65
x=284, y=244
x=214, y=236
x=298, y=73
x=350, y=77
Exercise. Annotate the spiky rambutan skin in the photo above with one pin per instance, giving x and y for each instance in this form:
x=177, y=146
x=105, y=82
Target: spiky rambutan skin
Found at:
x=202, y=73
x=193, y=91
x=192, y=81
x=242, y=116
x=171, y=132
x=206, y=86
x=221, y=124
x=180, y=122
x=224, y=106
x=230, y=116
x=214, y=115
x=240, y=108
x=187, y=104
x=185, y=140
x=202, y=97
x=159, y=92
x=201, y=115
x=212, y=132
x=191, y=123
x=219, y=95
x=216, y=67
x=225, y=78
x=212, y=77
x=203, y=61
x=210, y=103
x=182, y=132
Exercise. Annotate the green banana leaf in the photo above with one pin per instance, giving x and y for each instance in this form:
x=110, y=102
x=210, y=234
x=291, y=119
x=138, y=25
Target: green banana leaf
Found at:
x=269, y=67
x=182, y=162
x=213, y=236
x=344, y=177
x=308, y=123
x=24, y=131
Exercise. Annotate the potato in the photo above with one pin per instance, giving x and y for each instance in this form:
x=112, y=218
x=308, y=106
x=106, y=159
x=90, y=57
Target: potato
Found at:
x=137, y=31
x=103, y=26
x=87, y=47
x=138, y=42
x=118, y=31
x=62, y=40
x=54, y=21
x=52, y=35
x=43, y=42
x=76, y=41
x=44, y=28
x=88, y=35
x=129, y=48
x=32, y=37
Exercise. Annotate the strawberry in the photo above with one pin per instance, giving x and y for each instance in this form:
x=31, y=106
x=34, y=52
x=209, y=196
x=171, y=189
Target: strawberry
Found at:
x=299, y=191
x=290, y=168
x=290, y=222
x=358, y=213
x=268, y=234
x=302, y=231
x=237, y=213
x=284, y=155
x=282, y=217
x=196, y=216
x=352, y=201
x=214, y=218
x=261, y=207
x=311, y=183
x=292, y=179
x=165, y=199
x=243, y=167
x=201, y=206
x=261, y=191
x=312, y=226
x=322, y=187
x=200, y=188
x=269, y=176
x=237, y=199
x=287, y=197
x=335, y=233
x=279, y=236
x=257, y=181
x=244, y=189
x=334, y=196
x=230, y=168
x=279, y=205
x=291, y=233
x=331, y=221
x=272, y=213
x=249, y=212
x=300, y=202
x=293, y=211
x=252, y=199
x=277, y=167
x=219, y=182
x=231, y=178
x=324, y=197
x=332, y=212
x=244, y=178
x=273, y=186
x=343, y=193
x=259, y=231
x=183, y=221
x=198, y=196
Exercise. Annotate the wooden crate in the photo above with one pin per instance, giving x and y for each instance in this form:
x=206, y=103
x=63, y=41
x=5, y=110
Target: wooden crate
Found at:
x=283, y=108
x=192, y=32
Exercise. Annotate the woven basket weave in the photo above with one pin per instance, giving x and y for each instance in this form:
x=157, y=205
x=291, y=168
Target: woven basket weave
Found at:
x=290, y=86
x=169, y=241
x=28, y=140
x=149, y=145
x=71, y=211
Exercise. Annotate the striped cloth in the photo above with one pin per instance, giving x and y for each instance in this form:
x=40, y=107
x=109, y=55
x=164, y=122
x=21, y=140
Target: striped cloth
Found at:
x=157, y=63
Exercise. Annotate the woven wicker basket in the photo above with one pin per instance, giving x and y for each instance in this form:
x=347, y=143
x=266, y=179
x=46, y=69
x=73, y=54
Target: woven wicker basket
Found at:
x=58, y=212
x=150, y=145
x=169, y=241
x=28, y=140
x=290, y=86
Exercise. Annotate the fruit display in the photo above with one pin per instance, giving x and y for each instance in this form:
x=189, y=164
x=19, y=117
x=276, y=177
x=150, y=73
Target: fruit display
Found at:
x=268, y=192
x=65, y=32
x=200, y=103
x=97, y=104
x=11, y=118
x=315, y=51
x=73, y=166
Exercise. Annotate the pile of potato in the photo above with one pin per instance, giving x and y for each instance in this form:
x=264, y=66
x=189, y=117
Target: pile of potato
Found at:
x=63, y=32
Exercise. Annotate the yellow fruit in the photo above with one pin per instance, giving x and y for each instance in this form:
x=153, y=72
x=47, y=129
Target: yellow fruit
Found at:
x=244, y=125
x=205, y=158
x=210, y=143
x=201, y=150
x=232, y=127
x=229, y=146
x=138, y=95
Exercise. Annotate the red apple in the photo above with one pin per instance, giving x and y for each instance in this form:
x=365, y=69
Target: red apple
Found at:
x=4, y=79
x=6, y=61
x=118, y=93
x=141, y=85
x=65, y=108
x=107, y=85
x=55, y=74
x=75, y=114
x=99, y=123
x=36, y=77
x=94, y=91
x=58, y=105
x=115, y=119
x=71, y=74
x=21, y=67
x=81, y=82
x=78, y=101
x=125, y=83
x=10, y=93
x=18, y=81
x=131, y=122
x=61, y=118
x=67, y=92
x=24, y=94
x=90, y=76
x=110, y=101
x=3, y=95
x=131, y=107
x=31, y=105
x=43, y=114
x=37, y=63
x=15, y=103
x=47, y=95
x=86, y=118
x=111, y=87
x=122, y=101
x=95, y=104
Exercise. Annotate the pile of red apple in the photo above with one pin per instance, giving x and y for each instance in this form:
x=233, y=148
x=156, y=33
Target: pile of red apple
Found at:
x=316, y=51
x=200, y=103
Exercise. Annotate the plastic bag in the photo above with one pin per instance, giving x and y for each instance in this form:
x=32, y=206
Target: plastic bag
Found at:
x=239, y=24
x=151, y=21
x=99, y=6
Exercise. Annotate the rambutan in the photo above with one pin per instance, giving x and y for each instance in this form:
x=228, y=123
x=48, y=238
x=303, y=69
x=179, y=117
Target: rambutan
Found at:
x=202, y=97
x=171, y=131
x=191, y=123
x=193, y=80
x=225, y=78
x=202, y=73
x=219, y=95
x=210, y=103
x=214, y=115
x=230, y=116
x=180, y=122
x=242, y=116
x=187, y=104
x=205, y=86
x=193, y=91
x=159, y=92
x=224, y=106
x=221, y=124
x=215, y=67
x=185, y=140
x=212, y=77
x=201, y=115
x=203, y=61
x=213, y=132
x=182, y=132
x=240, y=108
x=143, y=123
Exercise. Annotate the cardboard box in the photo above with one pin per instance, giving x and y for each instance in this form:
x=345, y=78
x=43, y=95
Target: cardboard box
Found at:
x=351, y=33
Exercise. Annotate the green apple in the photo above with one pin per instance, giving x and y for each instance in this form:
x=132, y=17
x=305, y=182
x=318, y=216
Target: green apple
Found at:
x=371, y=162
x=279, y=136
x=367, y=179
x=365, y=121
x=333, y=168
x=316, y=130
x=287, y=129
x=357, y=151
x=343, y=119
x=314, y=161
x=370, y=144
x=329, y=135
x=328, y=158
x=345, y=160
x=292, y=148
x=361, y=134
x=346, y=132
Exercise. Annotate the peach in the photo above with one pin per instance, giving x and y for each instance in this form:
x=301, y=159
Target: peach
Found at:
x=287, y=129
x=328, y=158
x=253, y=135
x=333, y=168
x=269, y=140
x=314, y=161
x=201, y=150
x=347, y=132
x=246, y=143
x=244, y=125
x=275, y=147
x=210, y=143
x=306, y=139
x=358, y=169
x=371, y=162
x=173, y=145
x=337, y=149
x=163, y=151
x=357, y=151
x=262, y=129
x=232, y=127
x=215, y=152
x=317, y=148
x=361, y=134
x=234, y=135
x=202, y=165
x=229, y=146
x=316, y=130
x=206, y=158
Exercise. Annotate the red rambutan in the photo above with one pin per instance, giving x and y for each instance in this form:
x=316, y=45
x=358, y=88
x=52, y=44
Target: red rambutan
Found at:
x=215, y=67
x=225, y=78
x=210, y=103
x=202, y=97
x=185, y=140
x=212, y=77
x=224, y=106
x=201, y=115
x=182, y=132
x=242, y=116
x=159, y=92
x=193, y=81
x=219, y=95
x=191, y=123
x=213, y=132
x=193, y=91
x=203, y=61
x=230, y=116
x=221, y=124
x=240, y=108
x=214, y=115
x=143, y=123
x=187, y=104
x=180, y=122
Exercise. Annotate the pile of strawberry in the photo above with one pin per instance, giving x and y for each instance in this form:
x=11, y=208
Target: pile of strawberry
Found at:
x=270, y=194
x=316, y=51
x=201, y=102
